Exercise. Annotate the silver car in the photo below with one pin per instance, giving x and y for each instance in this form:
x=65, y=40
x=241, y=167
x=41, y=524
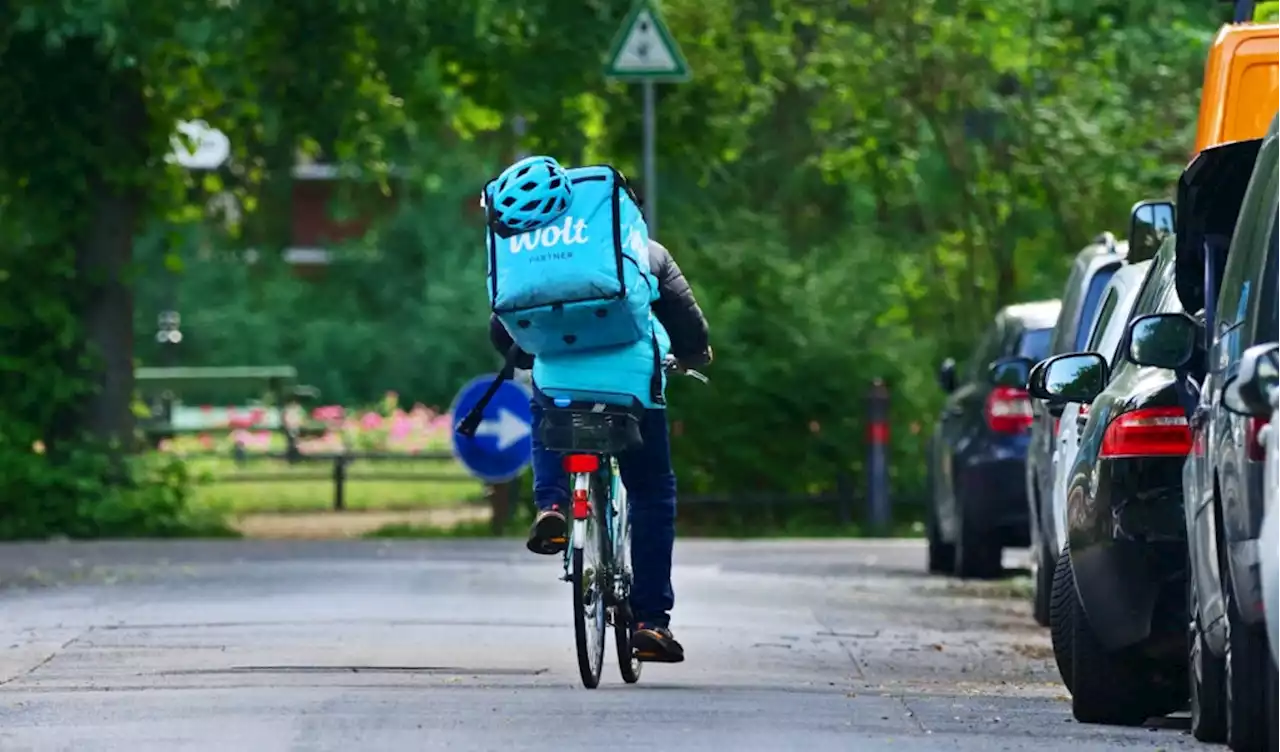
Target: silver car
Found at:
x=1255, y=391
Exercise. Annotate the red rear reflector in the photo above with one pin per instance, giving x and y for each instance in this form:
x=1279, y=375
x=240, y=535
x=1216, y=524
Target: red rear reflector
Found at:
x=1152, y=432
x=581, y=463
x=1008, y=410
x=581, y=505
x=1257, y=452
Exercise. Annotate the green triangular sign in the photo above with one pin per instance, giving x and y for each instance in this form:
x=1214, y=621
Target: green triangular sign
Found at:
x=644, y=49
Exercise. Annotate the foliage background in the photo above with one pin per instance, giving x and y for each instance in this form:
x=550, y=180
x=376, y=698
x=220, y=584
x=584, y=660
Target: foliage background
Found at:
x=853, y=189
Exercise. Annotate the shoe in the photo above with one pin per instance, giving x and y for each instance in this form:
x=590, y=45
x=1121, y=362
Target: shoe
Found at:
x=550, y=532
x=653, y=644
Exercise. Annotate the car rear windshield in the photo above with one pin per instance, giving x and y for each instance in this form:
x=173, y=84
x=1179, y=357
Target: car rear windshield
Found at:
x=1091, y=298
x=1034, y=344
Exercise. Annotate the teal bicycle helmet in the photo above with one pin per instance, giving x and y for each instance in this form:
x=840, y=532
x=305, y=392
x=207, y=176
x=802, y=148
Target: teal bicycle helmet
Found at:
x=529, y=194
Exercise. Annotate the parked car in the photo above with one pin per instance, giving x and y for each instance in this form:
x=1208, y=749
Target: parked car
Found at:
x=1107, y=329
x=1118, y=613
x=1255, y=392
x=1090, y=273
x=1226, y=258
x=979, y=504
x=1105, y=333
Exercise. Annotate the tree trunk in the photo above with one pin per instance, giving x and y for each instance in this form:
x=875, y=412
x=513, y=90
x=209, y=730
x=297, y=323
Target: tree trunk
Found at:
x=103, y=256
x=102, y=260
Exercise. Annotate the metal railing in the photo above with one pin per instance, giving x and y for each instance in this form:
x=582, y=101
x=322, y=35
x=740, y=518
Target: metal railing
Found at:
x=337, y=471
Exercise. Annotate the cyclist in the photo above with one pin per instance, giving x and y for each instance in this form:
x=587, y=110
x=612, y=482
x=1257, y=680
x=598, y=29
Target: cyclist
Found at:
x=646, y=471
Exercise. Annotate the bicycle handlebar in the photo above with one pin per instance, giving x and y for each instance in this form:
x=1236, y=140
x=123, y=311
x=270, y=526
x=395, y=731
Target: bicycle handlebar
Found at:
x=671, y=365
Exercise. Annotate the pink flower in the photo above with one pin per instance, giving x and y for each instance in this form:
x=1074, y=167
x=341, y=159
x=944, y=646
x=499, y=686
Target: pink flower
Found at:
x=328, y=413
x=371, y=421
x=401, y=426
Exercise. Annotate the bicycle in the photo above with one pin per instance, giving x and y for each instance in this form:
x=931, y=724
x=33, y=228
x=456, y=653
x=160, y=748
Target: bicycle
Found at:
x=590, y=434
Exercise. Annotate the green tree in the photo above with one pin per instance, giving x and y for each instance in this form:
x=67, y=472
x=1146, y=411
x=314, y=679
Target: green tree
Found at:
x=853, y=188
x=93, y=92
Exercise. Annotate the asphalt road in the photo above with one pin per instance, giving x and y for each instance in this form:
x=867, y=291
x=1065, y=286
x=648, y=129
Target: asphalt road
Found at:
x=272, y=645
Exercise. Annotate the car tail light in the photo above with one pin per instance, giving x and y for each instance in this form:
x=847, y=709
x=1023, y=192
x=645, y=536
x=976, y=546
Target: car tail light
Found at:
x=1008, y=410
x=1154, y=431
x=1253, y=441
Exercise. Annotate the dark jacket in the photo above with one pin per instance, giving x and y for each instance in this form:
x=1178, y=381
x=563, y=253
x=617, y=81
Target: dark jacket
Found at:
x=676, y=308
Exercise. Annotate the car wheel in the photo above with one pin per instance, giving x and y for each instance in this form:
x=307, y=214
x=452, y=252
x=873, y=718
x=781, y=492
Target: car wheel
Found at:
x=1116, y=687
x=941, y=554
x=1248, y=674
x=1046, y=567
x=1204, y=674
x=977, y=555
x=1060, y=613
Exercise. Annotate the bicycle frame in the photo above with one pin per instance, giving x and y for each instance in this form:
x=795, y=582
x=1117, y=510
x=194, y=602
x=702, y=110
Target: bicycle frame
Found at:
x=580, y=467
x=614, y=516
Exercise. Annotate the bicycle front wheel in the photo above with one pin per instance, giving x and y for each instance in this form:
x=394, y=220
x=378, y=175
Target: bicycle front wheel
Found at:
x=590, y=578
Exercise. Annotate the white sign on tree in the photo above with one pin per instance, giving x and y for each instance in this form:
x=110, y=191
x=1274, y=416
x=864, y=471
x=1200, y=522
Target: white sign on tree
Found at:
x=210, y=149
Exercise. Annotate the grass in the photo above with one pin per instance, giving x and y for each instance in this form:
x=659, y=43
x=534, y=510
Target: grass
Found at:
x=308, y=487
x=1017, y=587
x=272, y=487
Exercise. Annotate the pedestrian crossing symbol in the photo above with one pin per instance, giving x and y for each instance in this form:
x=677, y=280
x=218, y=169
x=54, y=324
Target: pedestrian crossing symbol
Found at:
x=644, y=49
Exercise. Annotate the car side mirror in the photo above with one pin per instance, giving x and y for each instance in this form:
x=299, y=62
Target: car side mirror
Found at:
x=1150, y=222
x=1011, y=371
x=1162, y=340
x=1252, y=390
x=947, y=375
x=1053, y=406
x=1074, y=377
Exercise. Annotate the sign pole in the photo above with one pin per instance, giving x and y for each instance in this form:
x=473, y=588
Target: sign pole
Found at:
x=879, y=511
x=645, y=51
x=650, y=159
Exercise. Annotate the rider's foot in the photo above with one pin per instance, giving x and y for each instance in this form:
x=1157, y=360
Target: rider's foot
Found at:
x=550, y=532
x=654, y=644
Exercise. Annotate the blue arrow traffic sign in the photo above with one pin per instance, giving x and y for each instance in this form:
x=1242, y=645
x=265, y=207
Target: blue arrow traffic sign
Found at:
x=503, y=444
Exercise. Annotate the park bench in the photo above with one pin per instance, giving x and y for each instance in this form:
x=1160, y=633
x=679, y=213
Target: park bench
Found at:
x=275, y=386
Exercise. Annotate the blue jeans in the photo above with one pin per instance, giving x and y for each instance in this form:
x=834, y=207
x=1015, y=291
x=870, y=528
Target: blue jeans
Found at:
x=651, y=497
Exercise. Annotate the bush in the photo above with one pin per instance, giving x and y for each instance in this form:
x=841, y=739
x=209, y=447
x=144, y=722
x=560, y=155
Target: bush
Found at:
x=66, y=496
x=155, y=502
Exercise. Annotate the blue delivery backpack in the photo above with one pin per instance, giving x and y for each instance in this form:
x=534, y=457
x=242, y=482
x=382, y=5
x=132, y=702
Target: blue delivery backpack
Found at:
x=622, y=375
x=575, y=293
x=581, y=281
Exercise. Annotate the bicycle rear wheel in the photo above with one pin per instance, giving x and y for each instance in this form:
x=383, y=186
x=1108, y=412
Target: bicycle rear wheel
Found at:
x=623, y=620
x=589, y=578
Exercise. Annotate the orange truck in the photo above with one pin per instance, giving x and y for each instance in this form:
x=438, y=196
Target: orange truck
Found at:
x=1240, y=97
x=1241, y=82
